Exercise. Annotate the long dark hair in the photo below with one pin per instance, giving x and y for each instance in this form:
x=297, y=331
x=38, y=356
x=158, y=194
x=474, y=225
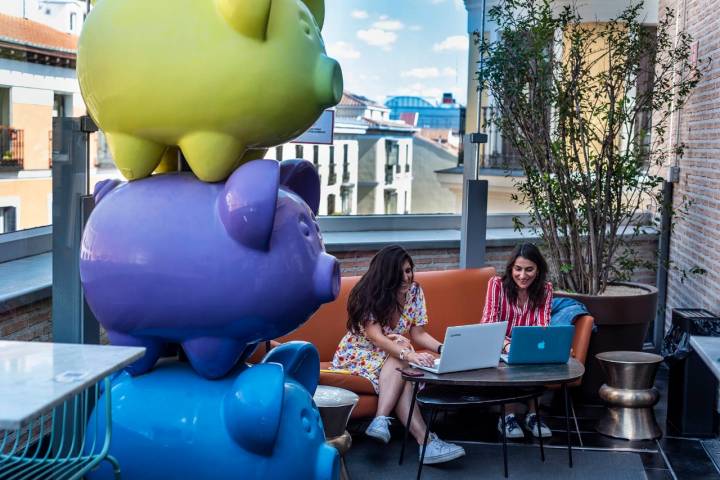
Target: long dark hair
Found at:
x=376, y=292
x=536, y=290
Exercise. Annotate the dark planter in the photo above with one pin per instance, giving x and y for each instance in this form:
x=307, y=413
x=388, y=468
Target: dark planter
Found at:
x=622, y=324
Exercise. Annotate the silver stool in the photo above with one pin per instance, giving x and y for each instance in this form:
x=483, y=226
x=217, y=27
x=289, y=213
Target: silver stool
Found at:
x=336, y=405
x=629, y=395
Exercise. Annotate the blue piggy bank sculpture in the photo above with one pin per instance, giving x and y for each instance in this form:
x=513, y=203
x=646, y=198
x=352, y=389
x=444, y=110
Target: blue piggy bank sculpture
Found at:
x=216, y=267
x=261, y=423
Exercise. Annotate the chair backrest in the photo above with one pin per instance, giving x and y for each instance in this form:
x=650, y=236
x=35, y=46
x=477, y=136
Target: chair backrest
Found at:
x=453, y=297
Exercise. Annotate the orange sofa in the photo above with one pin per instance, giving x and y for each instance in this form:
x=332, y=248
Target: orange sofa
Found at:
x=453, y=297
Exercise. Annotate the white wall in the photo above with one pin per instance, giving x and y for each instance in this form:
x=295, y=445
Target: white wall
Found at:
x=53, y=13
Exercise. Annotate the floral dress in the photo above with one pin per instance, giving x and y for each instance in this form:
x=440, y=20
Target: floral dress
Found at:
x=359, y=356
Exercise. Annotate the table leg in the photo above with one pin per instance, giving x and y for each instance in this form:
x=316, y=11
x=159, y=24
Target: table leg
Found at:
x=407, y=424
x=567, y=424
x=504, y=439
x=425, y=442
x=539, y=422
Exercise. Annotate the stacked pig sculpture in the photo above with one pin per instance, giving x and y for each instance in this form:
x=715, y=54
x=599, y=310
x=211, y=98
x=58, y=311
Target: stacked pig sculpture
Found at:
x=219, y=259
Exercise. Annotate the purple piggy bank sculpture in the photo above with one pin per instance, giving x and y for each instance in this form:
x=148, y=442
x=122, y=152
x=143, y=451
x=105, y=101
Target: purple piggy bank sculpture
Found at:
x=216, y=267
x=260, y=423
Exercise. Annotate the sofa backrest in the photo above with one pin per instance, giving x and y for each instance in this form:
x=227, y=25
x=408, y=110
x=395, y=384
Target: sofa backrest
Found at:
x=453, y=297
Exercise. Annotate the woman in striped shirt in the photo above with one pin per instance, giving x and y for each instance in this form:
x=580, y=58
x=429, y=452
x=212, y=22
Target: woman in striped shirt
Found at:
x=522, y=297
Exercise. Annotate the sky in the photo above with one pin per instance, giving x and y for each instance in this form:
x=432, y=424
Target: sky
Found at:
x=399, y=47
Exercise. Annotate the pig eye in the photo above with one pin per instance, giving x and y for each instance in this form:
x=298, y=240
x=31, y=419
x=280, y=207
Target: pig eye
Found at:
x=305, y=420
x=304, y=229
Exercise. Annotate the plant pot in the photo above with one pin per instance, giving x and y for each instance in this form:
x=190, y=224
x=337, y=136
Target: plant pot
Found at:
x=622, y=324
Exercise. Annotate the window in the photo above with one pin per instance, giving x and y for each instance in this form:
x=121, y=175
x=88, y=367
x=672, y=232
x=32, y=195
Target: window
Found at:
x=345, y=200
x=62, y=105
x=332, y=176
x=73, y=20
x=298, y=151
x=7, y=219
x=316, y=155
x=346, y=164
x=390, y=202
x=279, y=153
x=331, y=204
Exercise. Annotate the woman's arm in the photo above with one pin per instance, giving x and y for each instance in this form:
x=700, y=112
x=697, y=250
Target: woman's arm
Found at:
x=374, y=333
x=547, y=306
x=423, y=339
x=492, y=301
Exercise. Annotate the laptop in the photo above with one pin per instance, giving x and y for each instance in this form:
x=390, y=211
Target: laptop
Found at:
x=540, y=345
x=469, y=347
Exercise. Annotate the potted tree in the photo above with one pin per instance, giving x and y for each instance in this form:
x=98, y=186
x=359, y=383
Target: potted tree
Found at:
x=586, y=108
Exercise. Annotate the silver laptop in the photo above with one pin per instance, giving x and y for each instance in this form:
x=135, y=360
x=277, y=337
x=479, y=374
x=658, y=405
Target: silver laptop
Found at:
x=469, y=347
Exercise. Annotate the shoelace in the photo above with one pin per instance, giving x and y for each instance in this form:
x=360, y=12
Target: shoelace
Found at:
x=511, y=423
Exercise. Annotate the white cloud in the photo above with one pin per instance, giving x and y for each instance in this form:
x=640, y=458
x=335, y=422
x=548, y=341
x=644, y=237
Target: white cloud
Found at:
x=343, y=51
x=415, y=28
x=359, y=14
x=387, y=24
x=429, y=72
x=421, y=90
x=455, y=43
x=377, y=37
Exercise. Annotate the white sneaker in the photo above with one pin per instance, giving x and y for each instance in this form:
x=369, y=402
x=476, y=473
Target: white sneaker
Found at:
x=438, y=451
x=531, y=424
x=379, y=429
x=512, y=429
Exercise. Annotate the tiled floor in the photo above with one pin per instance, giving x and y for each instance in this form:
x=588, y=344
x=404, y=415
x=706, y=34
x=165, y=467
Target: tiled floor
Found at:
x=666, y=458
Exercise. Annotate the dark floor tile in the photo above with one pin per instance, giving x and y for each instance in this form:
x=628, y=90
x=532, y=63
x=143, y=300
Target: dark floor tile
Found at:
x=688, y=459
x=653, y=460
x=658, y=474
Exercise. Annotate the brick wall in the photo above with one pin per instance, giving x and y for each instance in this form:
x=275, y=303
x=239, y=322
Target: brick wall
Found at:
x=696, y=238
x=29, y=322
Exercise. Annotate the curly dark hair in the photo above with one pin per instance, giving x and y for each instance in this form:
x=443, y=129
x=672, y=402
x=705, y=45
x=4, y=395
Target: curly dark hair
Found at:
x=375, y=295
x=536, y=290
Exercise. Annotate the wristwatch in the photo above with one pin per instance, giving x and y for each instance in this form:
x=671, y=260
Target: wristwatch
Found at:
x=440, y=348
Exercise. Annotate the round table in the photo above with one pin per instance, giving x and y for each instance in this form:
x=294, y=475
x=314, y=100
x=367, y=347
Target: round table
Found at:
x=506, y=376
x=335, y=406
x=630, y=395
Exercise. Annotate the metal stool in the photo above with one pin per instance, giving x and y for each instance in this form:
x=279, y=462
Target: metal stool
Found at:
x=629, y=395
x=336, y=405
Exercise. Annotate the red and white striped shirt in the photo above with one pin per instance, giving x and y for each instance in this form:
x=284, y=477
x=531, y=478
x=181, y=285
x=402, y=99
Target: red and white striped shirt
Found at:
x=499, y=309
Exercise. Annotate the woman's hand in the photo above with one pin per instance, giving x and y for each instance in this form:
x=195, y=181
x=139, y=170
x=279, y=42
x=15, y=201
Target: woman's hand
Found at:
x=424, y=359
x=506, y=345
x=400, y=340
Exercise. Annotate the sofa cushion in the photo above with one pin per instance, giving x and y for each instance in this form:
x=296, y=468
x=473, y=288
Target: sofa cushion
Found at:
x=354, y=383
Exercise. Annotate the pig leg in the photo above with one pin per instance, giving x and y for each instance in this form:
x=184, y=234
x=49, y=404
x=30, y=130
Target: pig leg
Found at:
x=135, y=157
x=212, y=156
x=153, y=349
x=213, y=357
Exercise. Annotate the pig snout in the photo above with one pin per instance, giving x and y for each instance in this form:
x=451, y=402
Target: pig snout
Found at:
x=328, y=463
x=328, y=82
x=326, y=278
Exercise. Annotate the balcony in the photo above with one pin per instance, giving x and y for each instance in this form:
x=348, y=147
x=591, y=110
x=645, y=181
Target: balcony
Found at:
x=11, y=149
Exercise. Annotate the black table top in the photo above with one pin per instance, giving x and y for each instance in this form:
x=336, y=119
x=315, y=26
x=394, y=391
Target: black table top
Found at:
x=507, y=375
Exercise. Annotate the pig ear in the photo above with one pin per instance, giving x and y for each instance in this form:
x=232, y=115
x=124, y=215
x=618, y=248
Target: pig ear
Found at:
x=301, y=177
x=301, y=362
x=247, y=204
x=253, y=407
x=317, y=7
x=249, y=17
x=103, y=188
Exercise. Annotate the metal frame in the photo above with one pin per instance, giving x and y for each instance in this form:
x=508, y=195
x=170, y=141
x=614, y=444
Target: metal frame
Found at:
x=72, y=449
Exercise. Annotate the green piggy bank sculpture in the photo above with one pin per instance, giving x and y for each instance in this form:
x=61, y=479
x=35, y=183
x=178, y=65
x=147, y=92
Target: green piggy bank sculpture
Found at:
x=223, y=80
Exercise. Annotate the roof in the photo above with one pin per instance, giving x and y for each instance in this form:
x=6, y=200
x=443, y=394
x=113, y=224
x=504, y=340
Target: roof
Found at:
x=34, y=34
x=353, y=100
x=395, y=125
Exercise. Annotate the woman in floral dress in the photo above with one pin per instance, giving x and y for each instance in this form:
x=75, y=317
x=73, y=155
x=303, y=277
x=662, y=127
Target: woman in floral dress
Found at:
x=386, y=315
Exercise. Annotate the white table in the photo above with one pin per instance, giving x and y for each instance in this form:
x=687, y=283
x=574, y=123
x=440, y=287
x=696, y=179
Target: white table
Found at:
x=36, y=376
x=708, y=348
x=47, y=391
